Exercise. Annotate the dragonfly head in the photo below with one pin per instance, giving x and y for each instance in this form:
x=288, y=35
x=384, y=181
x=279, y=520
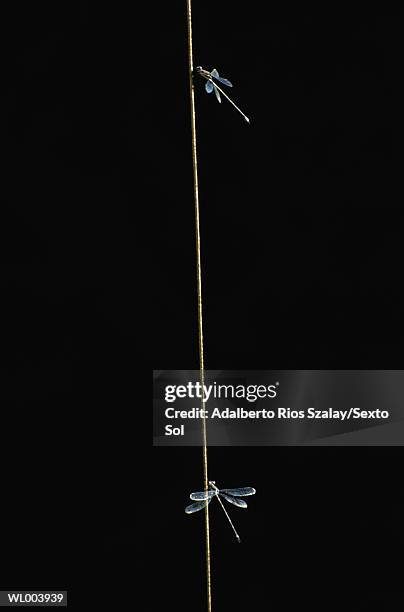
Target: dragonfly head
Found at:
x=199, y=69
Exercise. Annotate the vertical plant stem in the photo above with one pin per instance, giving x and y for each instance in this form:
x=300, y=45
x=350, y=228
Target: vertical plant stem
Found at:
x=199, y=297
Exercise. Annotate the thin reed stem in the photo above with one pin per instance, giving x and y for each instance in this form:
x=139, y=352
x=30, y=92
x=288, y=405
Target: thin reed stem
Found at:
x=199, y=297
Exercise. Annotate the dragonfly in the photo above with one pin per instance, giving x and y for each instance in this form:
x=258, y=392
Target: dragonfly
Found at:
x=212, y=79
x=203, y=498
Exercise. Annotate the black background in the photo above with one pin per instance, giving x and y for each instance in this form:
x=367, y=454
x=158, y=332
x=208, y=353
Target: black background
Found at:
x=301, y=221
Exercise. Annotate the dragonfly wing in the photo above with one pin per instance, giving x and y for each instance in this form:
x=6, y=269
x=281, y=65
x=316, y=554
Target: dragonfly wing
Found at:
x=209, y=86
x=202, y=495
x=215, y=74
x=196, y=506
x=234, y=500
x=225, y=81
x=241, y=492
x=217, y=94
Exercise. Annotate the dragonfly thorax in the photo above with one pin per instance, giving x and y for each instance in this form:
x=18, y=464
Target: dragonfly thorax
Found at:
x=205, y=73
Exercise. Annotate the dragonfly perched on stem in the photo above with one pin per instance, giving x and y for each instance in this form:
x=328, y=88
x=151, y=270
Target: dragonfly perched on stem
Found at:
x=203, y=498
x=212, y=79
